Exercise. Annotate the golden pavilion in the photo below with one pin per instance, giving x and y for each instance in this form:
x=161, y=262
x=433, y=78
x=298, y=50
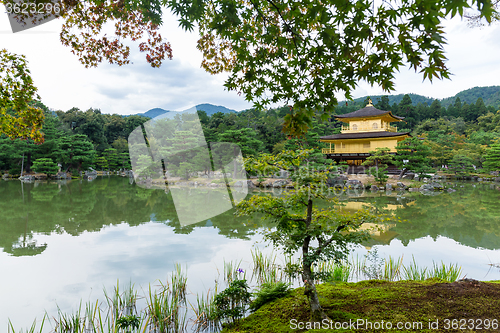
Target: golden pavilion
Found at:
x=364, y=130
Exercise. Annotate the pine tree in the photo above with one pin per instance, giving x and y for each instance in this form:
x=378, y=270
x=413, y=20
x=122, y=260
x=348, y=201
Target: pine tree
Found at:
x=492, y=158
x=412, y=155
x=45, y=165
x=379, y=158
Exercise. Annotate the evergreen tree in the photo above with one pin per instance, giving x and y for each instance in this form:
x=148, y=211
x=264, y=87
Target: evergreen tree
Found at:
x=492, y=158
x=383, y=103
x=461, y=165
x=435, y=110
x=76, y=151
x=412, y=155
x=245, y=138
x=407, y=110
x=45, y=165
x=102, y=163
x=380, y=158
x=112, y=158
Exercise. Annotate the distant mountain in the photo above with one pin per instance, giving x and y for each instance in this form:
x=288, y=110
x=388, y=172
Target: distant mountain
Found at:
x=397, y=99
x=210, y=109
x=153, y=113
x=490, y=96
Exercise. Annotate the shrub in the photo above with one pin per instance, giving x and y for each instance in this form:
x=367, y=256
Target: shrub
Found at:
x=231, y=303
x=15, y=171
x=269, y=292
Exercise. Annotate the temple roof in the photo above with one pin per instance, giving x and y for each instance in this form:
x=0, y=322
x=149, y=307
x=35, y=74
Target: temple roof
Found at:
x=363, y=135
x=368, y=111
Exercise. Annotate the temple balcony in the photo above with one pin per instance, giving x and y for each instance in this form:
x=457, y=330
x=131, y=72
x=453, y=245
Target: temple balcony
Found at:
x=387, y=128
x=346, y=150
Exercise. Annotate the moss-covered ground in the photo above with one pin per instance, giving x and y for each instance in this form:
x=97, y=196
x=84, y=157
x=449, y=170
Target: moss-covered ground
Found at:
x=380, y=306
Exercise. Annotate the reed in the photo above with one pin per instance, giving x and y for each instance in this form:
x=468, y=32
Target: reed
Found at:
x=73, y=322
x=179, y=282
x=205, y=313
x=232, y=271
x=448, y=273
x=392, y=269
x=166, y=308
x=265, y=269
x=331, y=271
x=31, y=329
x=358, y=267
x=414, y=273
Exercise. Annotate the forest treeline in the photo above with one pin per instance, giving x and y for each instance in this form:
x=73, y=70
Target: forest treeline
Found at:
x=77, y=140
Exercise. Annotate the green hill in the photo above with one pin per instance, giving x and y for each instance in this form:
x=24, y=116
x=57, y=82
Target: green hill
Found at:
x=397, y=99
x=490, y=96
x=210, y=109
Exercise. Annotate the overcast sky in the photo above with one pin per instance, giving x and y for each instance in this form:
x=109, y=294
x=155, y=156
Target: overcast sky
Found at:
x=181, y=83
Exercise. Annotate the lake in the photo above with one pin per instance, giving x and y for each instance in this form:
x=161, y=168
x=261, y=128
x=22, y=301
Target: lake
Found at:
x=62, y=242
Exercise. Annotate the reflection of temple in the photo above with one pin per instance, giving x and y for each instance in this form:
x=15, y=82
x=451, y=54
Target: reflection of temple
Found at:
x=365, y=130
x=380, y=233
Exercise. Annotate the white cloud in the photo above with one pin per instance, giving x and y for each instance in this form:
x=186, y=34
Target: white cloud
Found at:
x=472, y=58
x=180, y=83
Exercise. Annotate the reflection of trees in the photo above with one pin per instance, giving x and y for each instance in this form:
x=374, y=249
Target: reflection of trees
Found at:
x=79, y=206
x=470, y=216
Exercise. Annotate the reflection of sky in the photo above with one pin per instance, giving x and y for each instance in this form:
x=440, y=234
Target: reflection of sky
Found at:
x=426, y=251
x=77, y=268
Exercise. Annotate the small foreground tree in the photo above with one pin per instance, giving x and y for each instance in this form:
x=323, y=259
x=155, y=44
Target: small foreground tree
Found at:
x=320, y=234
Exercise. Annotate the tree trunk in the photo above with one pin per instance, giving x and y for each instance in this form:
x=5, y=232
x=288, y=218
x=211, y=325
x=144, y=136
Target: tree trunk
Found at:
x=317, y=313
x=402, y=173
x=28, y=163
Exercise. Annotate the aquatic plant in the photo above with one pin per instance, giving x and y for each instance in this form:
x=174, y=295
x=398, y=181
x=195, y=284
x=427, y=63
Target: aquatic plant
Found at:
x=413, y=272
x=392, y=269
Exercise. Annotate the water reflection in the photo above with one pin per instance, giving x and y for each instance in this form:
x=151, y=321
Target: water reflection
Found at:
x=75, y=207
x=470, y=216
x=131, y=233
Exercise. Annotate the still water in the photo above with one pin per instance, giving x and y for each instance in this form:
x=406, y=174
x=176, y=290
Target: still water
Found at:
x=64, y=242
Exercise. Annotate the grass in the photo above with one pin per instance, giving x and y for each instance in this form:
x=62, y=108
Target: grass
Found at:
x=411, y=302
x=265, y=269
x=392, y=269
x=448, y=273
x=414, y=273
x=31, y=329
x=205, y=318
x=232, y=271
x=166, y=308
x=335, y=271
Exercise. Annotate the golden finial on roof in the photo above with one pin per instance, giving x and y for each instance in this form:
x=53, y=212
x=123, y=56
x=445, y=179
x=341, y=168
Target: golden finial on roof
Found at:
x=369, y=102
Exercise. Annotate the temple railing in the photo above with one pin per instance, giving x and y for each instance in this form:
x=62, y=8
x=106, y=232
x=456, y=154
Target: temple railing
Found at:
x=347, y=129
